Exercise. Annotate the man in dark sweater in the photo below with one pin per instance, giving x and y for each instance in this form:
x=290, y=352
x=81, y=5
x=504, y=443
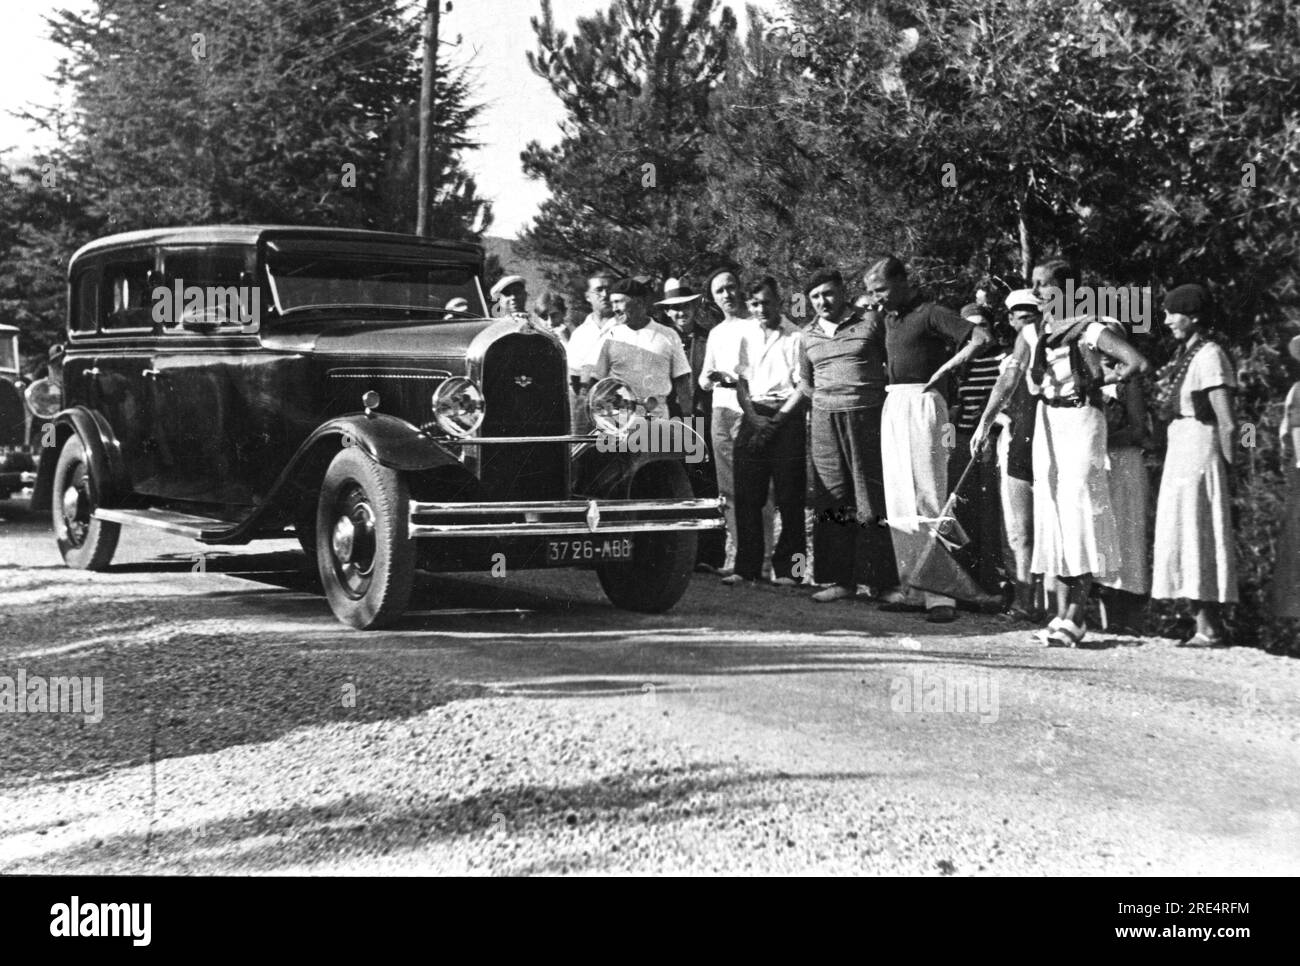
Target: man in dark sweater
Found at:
x=919, y=341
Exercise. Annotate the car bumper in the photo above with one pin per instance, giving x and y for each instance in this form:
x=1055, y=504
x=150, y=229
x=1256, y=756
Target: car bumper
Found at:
x=563, y=518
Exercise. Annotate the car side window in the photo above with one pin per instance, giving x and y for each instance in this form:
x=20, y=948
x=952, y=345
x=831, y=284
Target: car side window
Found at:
x=124, y=298
x=209, y=288
x=84, y=290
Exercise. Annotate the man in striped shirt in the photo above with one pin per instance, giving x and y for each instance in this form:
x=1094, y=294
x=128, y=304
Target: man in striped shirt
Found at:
x=979, y=515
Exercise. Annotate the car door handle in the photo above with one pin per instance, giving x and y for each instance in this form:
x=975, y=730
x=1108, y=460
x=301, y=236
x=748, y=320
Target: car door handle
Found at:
x=149, y=373
x=92, y=371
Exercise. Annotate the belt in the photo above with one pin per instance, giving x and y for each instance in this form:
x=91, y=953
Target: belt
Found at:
x=1074, y=402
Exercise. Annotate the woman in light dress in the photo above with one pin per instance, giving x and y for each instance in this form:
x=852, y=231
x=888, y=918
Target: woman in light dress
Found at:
x=1195, y=554
x=1075, y=536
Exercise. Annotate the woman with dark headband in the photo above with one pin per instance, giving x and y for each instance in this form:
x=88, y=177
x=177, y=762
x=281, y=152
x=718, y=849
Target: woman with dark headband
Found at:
x=1075, y=535
x=1195, y=555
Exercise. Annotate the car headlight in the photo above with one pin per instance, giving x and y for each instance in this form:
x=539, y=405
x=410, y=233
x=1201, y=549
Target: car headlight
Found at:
x=44, y=399
x=612, y=405
x=458, y=406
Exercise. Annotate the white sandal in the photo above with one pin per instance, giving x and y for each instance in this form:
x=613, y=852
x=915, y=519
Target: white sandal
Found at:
x=1066, y=634
x=1042, y=635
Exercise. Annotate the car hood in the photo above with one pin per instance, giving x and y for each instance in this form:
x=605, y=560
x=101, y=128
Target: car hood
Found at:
x=437, y=340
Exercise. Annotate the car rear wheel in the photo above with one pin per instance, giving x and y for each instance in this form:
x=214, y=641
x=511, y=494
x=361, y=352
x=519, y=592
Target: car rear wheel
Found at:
x=365, y=558
x=84, y=542
x=662, y=563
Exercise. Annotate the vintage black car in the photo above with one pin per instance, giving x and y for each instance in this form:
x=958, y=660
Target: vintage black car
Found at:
x=230, y=383
x=16, y=425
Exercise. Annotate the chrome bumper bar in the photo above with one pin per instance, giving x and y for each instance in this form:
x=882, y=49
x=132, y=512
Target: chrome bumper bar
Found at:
x=562, y=518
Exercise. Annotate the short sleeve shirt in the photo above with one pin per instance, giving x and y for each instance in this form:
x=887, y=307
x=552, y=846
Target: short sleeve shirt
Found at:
x=583, y=347
x=648, y=359
x=769, y=363
x=1210, y=368
x=920, y=339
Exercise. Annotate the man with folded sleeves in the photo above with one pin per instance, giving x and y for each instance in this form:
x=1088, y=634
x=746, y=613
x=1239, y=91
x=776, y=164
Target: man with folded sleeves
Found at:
x=771, y=441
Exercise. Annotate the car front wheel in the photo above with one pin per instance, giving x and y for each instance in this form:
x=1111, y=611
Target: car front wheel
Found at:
x=365, y=558
x=84, y=542
x=662, y=563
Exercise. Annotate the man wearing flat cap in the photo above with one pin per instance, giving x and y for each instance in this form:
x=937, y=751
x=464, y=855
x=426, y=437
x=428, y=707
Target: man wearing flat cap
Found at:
x=510, y=295
x=644, y=354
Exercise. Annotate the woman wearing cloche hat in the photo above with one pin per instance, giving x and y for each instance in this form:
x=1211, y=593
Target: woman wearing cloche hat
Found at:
x=1195, y=554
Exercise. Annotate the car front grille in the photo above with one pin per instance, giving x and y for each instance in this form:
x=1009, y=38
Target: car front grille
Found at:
x=525, y=383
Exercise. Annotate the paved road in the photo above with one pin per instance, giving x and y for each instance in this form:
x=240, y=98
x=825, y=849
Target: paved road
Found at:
x=522, y=725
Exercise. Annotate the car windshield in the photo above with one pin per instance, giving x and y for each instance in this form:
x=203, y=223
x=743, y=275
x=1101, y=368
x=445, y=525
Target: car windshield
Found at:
x=302, y=281
x=8, y=353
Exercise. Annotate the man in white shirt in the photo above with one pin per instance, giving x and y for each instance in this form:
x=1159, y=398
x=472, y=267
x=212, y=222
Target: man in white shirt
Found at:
x=644, y=354
x=584, y=348
x=718, y=376
x=771, y=442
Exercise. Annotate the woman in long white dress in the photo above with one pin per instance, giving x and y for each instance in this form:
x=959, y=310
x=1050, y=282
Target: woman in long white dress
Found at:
x=1195, y=554
x=1075, y=535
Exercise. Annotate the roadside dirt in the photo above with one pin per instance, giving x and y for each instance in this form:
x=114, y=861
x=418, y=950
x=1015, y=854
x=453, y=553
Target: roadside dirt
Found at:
x=522, y=725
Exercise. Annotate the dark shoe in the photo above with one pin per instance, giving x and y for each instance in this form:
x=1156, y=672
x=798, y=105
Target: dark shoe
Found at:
x=897, y=607
x=940, y=615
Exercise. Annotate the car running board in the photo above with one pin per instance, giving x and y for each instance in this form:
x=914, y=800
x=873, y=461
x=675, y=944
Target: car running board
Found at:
x=206, y=529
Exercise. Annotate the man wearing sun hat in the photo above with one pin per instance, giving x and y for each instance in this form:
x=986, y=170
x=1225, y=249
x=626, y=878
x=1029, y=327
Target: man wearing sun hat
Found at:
x=681, y=306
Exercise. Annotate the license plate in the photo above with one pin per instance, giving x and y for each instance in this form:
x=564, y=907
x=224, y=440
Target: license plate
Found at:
x=588, y=551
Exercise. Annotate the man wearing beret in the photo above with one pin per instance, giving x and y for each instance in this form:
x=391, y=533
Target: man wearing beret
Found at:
x=641, y=352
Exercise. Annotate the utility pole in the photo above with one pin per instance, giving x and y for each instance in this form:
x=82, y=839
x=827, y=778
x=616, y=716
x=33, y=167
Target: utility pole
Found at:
x=424, y=201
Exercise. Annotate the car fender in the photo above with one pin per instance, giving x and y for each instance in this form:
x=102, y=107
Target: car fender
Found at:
x=389, y=441
x=102, y=449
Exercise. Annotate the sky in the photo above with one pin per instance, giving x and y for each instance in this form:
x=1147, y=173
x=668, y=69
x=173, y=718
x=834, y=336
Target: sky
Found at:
x=494, y=34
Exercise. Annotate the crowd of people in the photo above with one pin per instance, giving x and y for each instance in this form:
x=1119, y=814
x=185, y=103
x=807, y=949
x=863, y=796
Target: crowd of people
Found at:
x=1004, y=443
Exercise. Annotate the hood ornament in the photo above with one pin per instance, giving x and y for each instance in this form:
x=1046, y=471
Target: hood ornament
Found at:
x=593, y=516
x=523, y=382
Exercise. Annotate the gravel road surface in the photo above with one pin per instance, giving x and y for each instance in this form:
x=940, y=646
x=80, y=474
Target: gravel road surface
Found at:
x=521, y=725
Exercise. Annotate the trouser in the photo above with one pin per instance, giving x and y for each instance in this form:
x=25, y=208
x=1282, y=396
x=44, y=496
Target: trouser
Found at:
x=726, y=423
x=979, y=513
x=1017, y=497
x=849, y=546
x=780, y=467
x=915, y=463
